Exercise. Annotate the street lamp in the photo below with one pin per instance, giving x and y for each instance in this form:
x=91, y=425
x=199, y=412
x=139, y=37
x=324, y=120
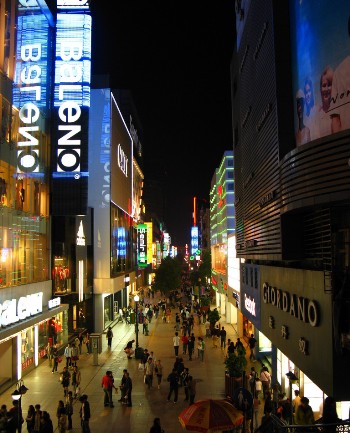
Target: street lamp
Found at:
x=20, y=390
x=136, y=299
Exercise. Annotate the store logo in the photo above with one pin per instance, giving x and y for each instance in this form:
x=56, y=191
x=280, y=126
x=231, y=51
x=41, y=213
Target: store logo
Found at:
x=249, y=305
x=81, y=235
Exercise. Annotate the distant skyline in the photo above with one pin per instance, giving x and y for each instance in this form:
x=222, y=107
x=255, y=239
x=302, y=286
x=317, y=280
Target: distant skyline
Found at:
x=175, y=59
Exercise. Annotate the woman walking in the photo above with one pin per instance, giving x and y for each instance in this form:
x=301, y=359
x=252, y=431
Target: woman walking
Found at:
x=159, y=372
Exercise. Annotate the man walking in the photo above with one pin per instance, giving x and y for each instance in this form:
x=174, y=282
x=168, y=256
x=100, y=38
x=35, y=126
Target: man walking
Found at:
x=173, y=385
x=149, y=370
x=223, y=338
x=176, y=342
x=85, y=414
x=109, y=336
x=107, y=386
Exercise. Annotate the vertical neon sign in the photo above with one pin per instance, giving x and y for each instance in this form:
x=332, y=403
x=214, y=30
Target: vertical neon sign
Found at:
x=30, y=89
x=71, y=102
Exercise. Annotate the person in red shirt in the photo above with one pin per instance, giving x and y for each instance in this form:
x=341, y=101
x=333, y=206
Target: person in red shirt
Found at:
x=184, y=340
x=107, y=384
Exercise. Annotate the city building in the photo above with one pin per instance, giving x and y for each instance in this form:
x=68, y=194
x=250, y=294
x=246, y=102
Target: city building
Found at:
x=291, y=147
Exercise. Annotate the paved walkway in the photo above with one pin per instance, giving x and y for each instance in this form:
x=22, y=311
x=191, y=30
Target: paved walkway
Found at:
x=45, y=388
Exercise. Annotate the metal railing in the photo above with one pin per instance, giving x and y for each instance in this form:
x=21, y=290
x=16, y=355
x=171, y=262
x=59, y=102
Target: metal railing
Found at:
x=278, y=426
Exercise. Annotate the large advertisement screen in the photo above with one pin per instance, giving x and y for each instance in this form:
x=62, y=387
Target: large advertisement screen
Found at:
x=121, y=161
x=321, y=68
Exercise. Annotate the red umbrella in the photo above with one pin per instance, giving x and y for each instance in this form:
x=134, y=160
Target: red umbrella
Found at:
x=209, y=416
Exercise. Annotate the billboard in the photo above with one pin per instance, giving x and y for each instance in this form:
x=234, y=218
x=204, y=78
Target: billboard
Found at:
x=142, y=245
x=320, y=38
x=71, y=114
x=121, y=161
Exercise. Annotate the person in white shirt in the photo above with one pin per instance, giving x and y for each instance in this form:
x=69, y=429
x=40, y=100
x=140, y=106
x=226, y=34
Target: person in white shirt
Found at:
x=176, y=343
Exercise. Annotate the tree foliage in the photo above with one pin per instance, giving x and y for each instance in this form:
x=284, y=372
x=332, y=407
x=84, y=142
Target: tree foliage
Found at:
x=168, y=275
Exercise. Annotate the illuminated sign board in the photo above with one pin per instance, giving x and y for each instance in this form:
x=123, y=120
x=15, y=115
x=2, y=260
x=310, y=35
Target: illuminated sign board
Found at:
x=321, y=68
x=149, y=242
x=15, y=310
x=142, y=245
x=30, y=92
x=71, y=103
x=194, y=240
x=121, y=161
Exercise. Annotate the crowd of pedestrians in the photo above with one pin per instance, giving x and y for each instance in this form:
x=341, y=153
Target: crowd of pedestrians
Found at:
x=192, y=342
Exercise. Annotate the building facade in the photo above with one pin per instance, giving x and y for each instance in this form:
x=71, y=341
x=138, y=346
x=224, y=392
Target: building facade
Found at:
x=291, y=196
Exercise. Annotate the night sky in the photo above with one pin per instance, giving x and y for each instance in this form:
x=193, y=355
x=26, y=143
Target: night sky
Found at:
x=175, y=57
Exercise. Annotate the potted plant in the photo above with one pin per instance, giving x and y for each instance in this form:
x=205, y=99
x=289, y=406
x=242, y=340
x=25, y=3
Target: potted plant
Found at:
x=204, y=303
x=236, y=364
x=213, y=317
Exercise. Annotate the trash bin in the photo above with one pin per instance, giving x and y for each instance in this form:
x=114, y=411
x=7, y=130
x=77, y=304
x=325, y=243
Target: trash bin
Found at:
x=139, y=352
x=132, y=318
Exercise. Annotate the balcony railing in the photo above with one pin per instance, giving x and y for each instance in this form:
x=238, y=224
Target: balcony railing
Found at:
x=278, y=426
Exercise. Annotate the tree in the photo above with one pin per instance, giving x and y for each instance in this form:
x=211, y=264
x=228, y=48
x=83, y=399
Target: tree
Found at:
x=168, y=275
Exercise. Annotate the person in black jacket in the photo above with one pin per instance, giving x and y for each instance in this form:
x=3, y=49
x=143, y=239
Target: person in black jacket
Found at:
x=156, y=427
x=85, y=413
x=173, y=380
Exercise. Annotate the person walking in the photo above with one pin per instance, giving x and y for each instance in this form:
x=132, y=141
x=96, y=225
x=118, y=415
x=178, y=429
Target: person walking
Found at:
x=304, y=414
x=223, y=334
x=49, y=350
x=30, y=418
x=252, y=378
x=75, y=354
x=69, y=409
x=190, y=346
x=62, y=418
x=128, y=390
x=37, y=418
x=87, y=342
x=156, y=427
x=184, y=340
x=201, y=349
x=81, y=339
x=149, y=371
x=55, y=357
x=265, y=378
x=252, y=344
x=176, y=343
x=107, y=386
x=76, y=379
x=158, y=369
x=68, y=355
x=192, y=384
x=46, y=425
x=173, y=385
x=15, y=418
x=85, y=414
x=65, y=376
x=109, y=336
x=122, y=386
x=185, y=375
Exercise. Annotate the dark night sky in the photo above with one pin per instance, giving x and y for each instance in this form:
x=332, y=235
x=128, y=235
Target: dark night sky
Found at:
x=175, y=58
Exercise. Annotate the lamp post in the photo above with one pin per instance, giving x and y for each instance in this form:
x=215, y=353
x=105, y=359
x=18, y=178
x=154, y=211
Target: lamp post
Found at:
x=20, y=390
x=136, y=299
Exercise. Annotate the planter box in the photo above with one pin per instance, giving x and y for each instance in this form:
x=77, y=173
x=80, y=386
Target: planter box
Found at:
x=231, y=384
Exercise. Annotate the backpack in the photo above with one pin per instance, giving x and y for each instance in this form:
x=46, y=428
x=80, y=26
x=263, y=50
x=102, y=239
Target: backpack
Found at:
x=109, y=334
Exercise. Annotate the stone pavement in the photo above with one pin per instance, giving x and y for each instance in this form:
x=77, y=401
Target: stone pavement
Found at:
x=45, y=388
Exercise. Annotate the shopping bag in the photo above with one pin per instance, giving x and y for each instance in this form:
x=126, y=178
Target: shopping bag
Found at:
x=59, y=358
x=141, y=366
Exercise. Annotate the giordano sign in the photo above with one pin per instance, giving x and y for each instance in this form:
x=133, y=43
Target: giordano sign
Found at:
x=301, y=308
